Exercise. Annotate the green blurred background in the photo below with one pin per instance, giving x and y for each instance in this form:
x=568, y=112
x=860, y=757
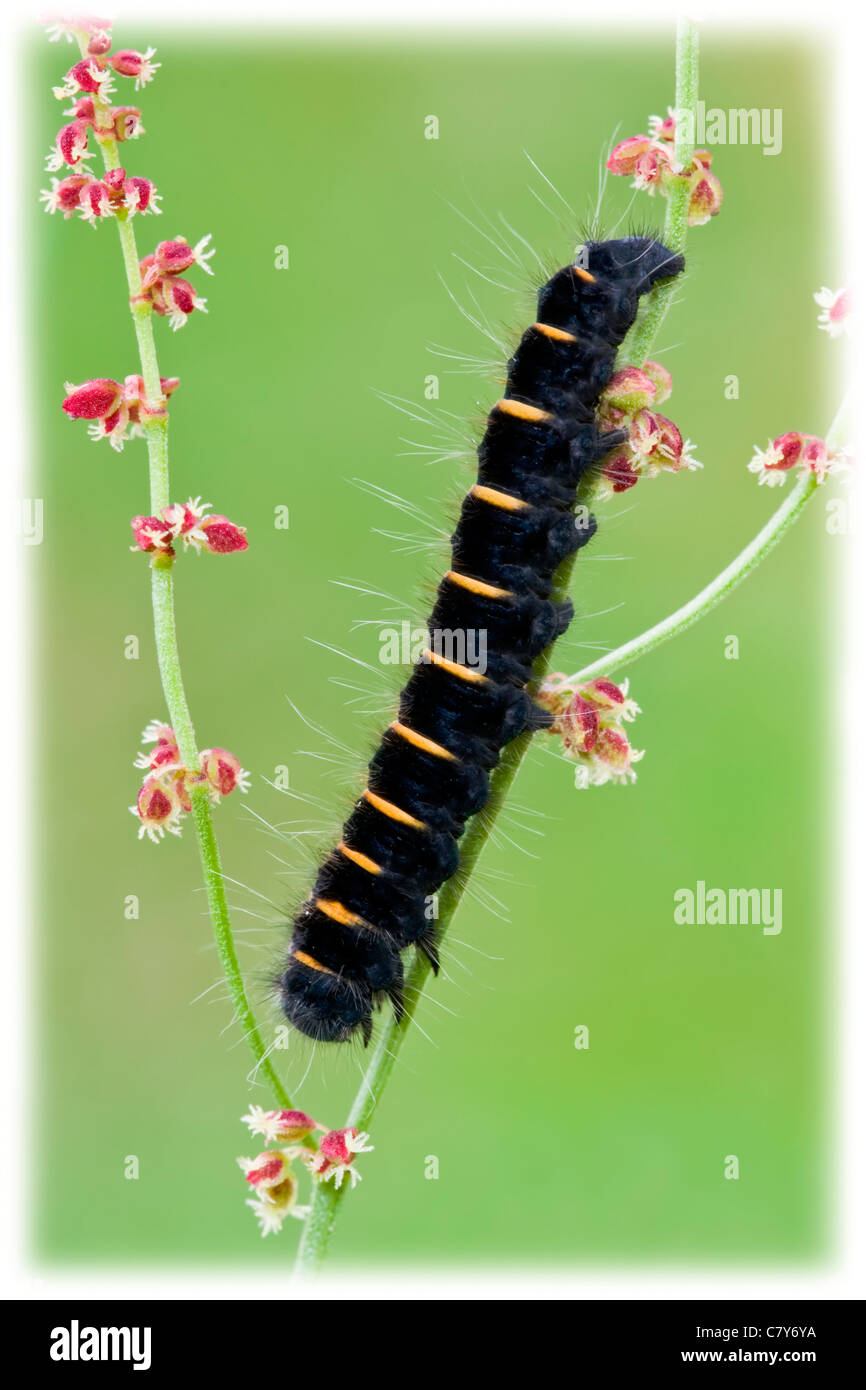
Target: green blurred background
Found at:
x=704, y=1041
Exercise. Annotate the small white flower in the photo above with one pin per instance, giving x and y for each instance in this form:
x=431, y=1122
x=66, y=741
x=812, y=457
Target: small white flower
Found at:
x=835, y=315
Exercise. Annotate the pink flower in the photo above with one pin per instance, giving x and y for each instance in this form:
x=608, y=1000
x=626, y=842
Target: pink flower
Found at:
x=588, y=717
x=606, y=695
x=336, y=1156
x=140, y=409
x=65, y=194
x=127, y=123
x=70, y=27
x=130, y=63
x=159, y=809
x=624, y=156
x=650, y=168
x=705, y=198
x=175, y=298
x=283, y=1126
x=661, y=380
x=166, y=753
x=835, y=315
x=70, y=146
x=578, y=726
x=95, y=201
x=223, y=773
x=792, y=450
x=663, y=127
x=628, y=391
x=152, y=534
x=93, y=400
x=83, y=110
x=271, y=1178
x=618, y=473
x=89, y=75
x=221, y=536
x=140, y=195
x=650, y=160
x=174, y=257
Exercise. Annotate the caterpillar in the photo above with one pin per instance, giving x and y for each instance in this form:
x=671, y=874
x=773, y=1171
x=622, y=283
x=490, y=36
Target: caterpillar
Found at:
x=431, y=770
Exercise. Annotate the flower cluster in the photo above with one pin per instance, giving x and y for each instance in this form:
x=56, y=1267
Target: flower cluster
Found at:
x=164, y=796
x=98, y=198
x=794, y=450
x=162, y=285
x=116, y=412
x=89, y=83
x=649, y=161
x=188, y=522
x=270, y=1173
x=654, y=443
x=588, y=717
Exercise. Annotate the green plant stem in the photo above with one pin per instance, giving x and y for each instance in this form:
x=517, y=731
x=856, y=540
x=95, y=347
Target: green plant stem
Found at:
x=730, y=577
x=639, y=342
x=165, y=632
x=326, y=1198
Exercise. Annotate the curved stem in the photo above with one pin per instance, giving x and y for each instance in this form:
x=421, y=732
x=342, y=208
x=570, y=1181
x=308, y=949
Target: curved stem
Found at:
x=165, y=632
x=326, y=1199
x=730, y=577
x=719, y=588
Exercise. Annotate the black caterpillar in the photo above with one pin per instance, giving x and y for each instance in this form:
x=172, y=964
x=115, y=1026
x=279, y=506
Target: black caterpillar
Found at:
x=431, y=770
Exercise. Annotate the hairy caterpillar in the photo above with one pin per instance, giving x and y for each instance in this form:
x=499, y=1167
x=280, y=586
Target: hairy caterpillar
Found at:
x=431, y=770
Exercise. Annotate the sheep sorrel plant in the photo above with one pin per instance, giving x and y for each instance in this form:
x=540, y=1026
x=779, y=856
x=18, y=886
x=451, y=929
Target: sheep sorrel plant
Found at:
x=580, y=421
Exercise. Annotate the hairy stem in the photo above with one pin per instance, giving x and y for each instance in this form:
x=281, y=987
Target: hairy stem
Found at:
x=326, y=1199
x=165, y=631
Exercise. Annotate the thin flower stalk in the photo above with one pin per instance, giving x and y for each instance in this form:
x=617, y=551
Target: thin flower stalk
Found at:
x=162, y=591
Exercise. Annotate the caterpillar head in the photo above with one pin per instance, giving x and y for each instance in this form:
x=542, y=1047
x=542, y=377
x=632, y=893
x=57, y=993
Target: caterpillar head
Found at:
x=640, y=259
x=326, y=1008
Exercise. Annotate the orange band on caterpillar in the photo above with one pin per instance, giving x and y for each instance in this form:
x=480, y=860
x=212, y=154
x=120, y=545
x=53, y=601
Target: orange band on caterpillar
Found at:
x=497, y=498
x=393, y=812
x=426, y=745
x=477, y=586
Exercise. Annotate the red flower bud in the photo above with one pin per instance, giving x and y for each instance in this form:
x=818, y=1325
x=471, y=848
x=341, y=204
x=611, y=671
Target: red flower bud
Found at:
x=619, y=472
x=65, y=194
x=629, y=390
x=579, y=726
x=222, y=537
x=337, y=1153
x=792, y=449
x=87, y=76
x=175, y=298
x=151, y=533
x=93, y=400
x=130, y=63
x=70, y=146
x=140, y=196
x=82, y=110
x=174, y=257
x=95, y=200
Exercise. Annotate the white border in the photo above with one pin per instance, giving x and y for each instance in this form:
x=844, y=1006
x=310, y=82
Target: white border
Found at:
x=28, y=1133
